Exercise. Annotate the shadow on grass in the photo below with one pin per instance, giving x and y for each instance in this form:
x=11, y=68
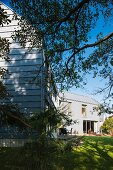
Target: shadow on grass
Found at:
x=94, y=154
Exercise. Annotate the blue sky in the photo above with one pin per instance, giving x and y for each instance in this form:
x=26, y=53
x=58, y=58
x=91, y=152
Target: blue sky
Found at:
x=5, y=2
x=92, y=83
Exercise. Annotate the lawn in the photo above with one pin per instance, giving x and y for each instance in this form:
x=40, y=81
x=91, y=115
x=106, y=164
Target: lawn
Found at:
x=96, y=153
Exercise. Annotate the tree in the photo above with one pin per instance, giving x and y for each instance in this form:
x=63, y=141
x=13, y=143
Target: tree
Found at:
x=104, y=108
x=107, y=126
x=63, y=29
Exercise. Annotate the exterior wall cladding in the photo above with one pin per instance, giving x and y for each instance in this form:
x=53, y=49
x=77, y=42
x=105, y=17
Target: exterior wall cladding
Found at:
x=82, y=110
x=22, y=70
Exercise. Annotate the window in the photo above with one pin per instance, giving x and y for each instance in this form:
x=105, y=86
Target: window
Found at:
x=84, y=109
x=60, y=102
x=69, y=108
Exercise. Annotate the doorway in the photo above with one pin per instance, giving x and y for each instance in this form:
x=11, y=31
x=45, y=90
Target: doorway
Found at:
x=88, y=126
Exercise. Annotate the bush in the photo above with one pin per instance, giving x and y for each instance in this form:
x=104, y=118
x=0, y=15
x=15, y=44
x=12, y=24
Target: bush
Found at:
x=107, y=126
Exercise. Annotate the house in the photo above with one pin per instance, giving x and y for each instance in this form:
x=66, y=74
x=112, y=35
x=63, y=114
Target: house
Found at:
x=27, y=77
x=83, y=112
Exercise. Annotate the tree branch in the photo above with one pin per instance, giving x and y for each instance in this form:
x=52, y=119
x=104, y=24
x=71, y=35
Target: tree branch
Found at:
x=20, y=120
x=13, y=112
x=79, y=6
x=61, y=20
x=89, y=45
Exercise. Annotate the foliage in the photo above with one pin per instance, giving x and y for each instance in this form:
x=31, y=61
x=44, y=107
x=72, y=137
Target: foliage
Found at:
x=4, y=19
x=4, y=44
x=103, y=108
x=107, y=126
x=4, y=50
x=45, y=123
x=63, y=29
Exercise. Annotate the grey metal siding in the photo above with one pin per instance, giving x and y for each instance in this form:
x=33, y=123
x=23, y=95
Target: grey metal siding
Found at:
x=23, y=68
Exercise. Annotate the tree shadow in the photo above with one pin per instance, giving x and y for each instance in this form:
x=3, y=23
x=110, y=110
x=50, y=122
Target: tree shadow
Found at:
x=20, y=81
x=93, y=156
x=90, y=156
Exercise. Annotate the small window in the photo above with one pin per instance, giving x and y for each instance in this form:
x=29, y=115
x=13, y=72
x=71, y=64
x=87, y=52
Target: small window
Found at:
x=84, y=109
x=60, y=102
x=69, y=108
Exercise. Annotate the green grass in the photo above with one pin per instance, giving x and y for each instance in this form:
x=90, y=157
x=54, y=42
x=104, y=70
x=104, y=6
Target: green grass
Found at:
x=96, y=153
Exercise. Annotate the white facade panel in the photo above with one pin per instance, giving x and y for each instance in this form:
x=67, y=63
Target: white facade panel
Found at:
x=23, y=67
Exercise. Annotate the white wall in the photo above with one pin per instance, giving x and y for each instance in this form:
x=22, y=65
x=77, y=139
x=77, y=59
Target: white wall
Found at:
x=76, y=112
x=22, y=68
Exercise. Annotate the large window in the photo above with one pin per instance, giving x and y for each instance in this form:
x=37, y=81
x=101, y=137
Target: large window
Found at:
x=84, y=109
x=88, y=126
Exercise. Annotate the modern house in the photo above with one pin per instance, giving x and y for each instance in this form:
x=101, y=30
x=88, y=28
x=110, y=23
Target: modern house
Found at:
x=83, y=112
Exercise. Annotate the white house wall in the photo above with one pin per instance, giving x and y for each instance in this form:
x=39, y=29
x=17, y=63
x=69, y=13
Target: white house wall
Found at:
x=76, y=102
x=23, y=67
